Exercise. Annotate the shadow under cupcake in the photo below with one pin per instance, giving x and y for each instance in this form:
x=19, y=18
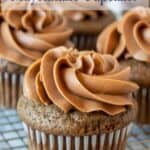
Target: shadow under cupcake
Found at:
x=77, y=100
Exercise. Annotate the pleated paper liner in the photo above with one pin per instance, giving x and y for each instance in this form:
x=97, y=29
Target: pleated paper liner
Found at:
x=84, y=41
x=143, y=98
x=116, y=140
x=10, y=89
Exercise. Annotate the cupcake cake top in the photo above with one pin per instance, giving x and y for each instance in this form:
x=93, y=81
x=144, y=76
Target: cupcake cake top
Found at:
x=26, y=34
x=128, y=37
x=85, y=81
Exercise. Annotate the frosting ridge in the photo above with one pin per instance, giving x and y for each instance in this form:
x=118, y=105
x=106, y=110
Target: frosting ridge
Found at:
x=128, y=37
x=79, y=80
x=26, y=34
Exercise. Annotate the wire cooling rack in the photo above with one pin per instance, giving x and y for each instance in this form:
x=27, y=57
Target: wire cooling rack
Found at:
x=13, y=137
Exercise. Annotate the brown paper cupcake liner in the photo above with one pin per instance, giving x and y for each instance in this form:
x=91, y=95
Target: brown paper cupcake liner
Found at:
x=107, y=141
x=87, y=42
x=10, y=89
x=143, y=99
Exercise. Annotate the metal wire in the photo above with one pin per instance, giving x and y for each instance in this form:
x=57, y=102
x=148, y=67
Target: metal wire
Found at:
x=13, y=137
x=139, y=138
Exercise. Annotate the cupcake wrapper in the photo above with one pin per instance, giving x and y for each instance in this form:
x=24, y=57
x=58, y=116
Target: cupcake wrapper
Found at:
x=86, y=42
x=10, y=89
x=143, y=98
x=109, y=141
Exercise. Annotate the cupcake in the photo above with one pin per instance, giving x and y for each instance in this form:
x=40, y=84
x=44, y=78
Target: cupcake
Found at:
x=25, y=35
x=87, y=25
x=129, y=41
x=77, y=100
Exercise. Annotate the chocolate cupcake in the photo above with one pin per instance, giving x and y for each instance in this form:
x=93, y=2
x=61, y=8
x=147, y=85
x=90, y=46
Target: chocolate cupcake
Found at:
x=129, y=41
x=77, y=100
x=25, y=35
x=87, y=25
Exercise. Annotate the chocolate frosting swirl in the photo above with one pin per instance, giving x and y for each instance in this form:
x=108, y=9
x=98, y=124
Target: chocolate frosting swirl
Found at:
x=129, y=37
x=26, y=34
x=79, y=80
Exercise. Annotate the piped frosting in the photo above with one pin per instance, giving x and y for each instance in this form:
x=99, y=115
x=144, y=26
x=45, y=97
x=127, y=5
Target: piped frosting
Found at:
x=129, y=37
x=25, y=35
x=85, y=81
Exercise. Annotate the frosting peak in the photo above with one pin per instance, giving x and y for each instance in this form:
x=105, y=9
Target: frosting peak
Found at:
x=26, y=34
x=79, y=80
x=129, y=37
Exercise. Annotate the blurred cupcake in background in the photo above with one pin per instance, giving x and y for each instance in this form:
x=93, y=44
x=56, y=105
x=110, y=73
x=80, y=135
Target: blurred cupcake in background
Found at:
x=77, y=100
x=129, y=41
x=87, y=24
x=25, y=35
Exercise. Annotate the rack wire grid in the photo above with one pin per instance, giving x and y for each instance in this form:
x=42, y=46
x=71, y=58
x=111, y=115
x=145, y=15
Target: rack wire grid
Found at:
x=13, y=137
